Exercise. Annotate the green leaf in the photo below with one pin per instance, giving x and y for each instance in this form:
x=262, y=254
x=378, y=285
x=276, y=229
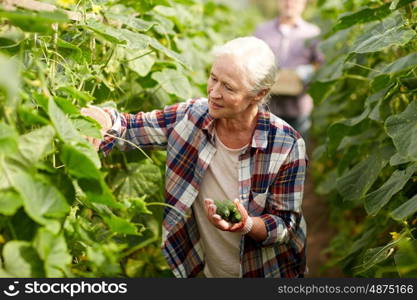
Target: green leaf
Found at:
x=164, y=26
x=53, y=250
x=79, y=162
x=328, y=184
x=402, y=128
x=125, y=37
x=65, y=185
x=394, y=4
x=30, y=116
x=379, y=198
x=366, y=238
x=374, y=256
x=36, y=144
x=97, y=191
x=410, y=83
x=182, y=17
x=12, y=37
x=87, y=126
x=380, y=82
x=40, y=200
x=40, y=100
x=406, y=257
x=7, y=169
x=76, y=148
x=134, y=40
x=165, y=10
x=140, y=61
x=319, y=91
x=120, y=225
x=388, y=33
x=104, y=259
x=9, y=83
x=373, y=98
x=402, y=64
x=131, y=21
x=368, y=15
x=397, y=159
x=10, y=202
x=81, y=96
x=348, y=142
x=161, y=98
x=376, y=112
x=405, y=210
x=66, y=105
x=64, y=127
x=140, y=205
x=354, y=184
x=70, y=50
x=138, y=179
x=360, y=17
x=337, y=131
x=331, y=71
x=330, y=46
x=8, y=139
x=376, y=100
x=173, y=82
x=107, y=32
x=193, y=52
x=21, y=260
x=23, y=226
x=168, y=52
x=34, y=21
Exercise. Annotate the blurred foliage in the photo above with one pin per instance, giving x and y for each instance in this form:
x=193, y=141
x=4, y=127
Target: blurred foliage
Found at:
x=365, y=125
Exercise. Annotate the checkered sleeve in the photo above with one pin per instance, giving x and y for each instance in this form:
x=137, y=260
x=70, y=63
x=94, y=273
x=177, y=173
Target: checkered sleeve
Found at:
x=283, y=205
x=148, y=130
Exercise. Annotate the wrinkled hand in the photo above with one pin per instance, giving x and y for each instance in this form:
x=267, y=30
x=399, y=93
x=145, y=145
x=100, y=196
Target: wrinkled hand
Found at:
x=221, y=224
x=102, y=118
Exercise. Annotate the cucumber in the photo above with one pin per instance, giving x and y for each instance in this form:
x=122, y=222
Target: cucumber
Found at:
x=222, y=209
x=236, y=218
x=228, y=211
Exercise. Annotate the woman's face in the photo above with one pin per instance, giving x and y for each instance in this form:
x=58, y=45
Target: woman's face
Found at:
x=291, y=8
x=228, y=90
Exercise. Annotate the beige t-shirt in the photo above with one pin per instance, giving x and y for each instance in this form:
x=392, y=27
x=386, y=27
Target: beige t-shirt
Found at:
x=221, y=182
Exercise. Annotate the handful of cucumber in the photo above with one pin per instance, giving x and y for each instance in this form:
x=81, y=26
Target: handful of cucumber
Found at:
x=228, y=211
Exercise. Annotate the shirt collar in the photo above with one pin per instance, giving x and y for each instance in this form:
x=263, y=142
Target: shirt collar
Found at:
x=298, y=22
x=208, y=126
x=260, y=135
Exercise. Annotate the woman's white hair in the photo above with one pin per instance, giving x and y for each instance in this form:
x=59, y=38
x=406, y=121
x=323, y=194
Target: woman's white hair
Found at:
x=255, y=59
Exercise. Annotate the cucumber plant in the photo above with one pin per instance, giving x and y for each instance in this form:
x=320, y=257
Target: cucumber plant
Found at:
x=66, y=210
x=365, y=125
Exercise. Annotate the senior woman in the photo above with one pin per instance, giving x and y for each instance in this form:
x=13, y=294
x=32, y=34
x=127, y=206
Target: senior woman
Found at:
x=226, y=147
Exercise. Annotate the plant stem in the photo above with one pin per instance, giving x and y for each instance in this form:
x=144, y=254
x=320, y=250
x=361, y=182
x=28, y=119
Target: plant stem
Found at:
x=167, y=205
x=132, y=144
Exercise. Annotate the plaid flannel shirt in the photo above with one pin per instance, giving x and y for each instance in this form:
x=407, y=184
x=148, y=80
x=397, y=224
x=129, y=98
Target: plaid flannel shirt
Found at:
x=271, y=181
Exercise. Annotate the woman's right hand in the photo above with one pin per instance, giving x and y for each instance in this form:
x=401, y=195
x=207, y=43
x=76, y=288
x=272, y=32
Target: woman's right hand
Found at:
x=102, y=118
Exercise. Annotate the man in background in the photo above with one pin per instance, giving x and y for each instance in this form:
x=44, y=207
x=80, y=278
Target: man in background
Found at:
x=292, y=41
